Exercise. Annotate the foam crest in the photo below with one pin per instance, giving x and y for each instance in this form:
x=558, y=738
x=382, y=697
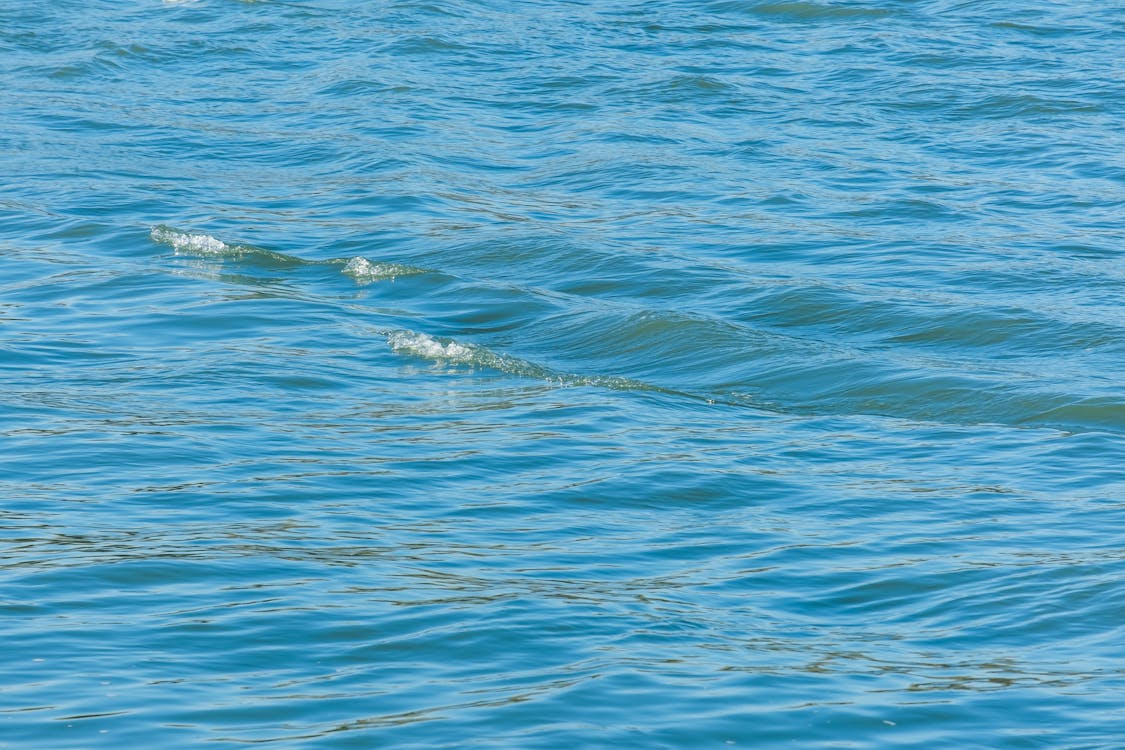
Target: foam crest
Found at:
x=412, y=343
x=186, y=243
x=366, y=272
x=452, y=352
x=206, y=246
x=422, y=345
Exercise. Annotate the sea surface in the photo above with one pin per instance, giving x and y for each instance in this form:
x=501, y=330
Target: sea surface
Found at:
x=559, y=374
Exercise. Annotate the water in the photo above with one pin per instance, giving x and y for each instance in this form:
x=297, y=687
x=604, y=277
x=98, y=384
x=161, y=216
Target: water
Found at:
x=554, y=374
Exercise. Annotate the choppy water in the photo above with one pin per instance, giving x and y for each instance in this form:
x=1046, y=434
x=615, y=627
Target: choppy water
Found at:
x=558, y=374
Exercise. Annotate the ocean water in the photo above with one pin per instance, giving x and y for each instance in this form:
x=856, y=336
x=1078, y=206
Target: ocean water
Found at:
x=556, y=374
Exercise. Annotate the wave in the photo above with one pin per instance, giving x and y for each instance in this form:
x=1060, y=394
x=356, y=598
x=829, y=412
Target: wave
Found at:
x=198, y=244
x=798, y=10
x=186, y=243
x=792, y=351
x=451, y=352
x=363, y=271
x=202, y=245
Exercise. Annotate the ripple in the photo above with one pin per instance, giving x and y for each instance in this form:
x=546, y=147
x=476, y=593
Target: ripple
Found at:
x=562, y=374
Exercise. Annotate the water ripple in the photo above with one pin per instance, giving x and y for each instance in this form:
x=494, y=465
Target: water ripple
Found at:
x=552, y=374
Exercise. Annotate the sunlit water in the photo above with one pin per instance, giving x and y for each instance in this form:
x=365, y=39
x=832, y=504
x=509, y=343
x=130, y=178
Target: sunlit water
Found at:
x=556, y=374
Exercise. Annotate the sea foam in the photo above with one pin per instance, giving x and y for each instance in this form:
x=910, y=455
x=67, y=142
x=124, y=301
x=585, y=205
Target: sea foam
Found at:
x=188, y=243
x=423, y=345
x=364, y=271
x=412, y=343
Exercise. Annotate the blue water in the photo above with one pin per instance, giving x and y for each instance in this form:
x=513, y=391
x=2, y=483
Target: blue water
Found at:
x=552, y=374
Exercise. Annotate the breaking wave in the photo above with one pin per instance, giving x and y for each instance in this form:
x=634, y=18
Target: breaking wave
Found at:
x=363, y=271
x=187, y=243
x=451, y=352
x=201, y=245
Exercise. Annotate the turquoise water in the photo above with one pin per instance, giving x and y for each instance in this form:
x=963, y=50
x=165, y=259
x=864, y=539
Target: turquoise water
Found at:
x=558, y=374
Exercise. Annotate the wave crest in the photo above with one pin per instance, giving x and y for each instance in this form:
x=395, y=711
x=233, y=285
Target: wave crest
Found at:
x=186, y=243
x=412, y=343
x=423, y=345
x=364, y=271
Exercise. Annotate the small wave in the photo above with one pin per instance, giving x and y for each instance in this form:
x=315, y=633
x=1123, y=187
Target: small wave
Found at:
x=201, y=245
x=185, y=243
x=204, y=245
x=412, y=343
x=422, y=345
x=801, y=10
x=366, y=272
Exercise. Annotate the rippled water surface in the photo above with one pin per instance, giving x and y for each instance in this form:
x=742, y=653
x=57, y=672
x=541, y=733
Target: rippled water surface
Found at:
x=553, y=374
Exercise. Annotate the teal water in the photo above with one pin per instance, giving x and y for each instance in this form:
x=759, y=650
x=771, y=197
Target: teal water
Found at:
x=555, y=374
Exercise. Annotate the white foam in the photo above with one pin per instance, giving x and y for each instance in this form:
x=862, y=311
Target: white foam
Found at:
x=422, y=345
x=366, y=272
x=192, y=244
x=425, y=346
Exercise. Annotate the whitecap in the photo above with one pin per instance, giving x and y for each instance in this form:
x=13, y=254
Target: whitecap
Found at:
x=412, y=343
x=366, y=272
x=187, y=243
x=423, y=345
